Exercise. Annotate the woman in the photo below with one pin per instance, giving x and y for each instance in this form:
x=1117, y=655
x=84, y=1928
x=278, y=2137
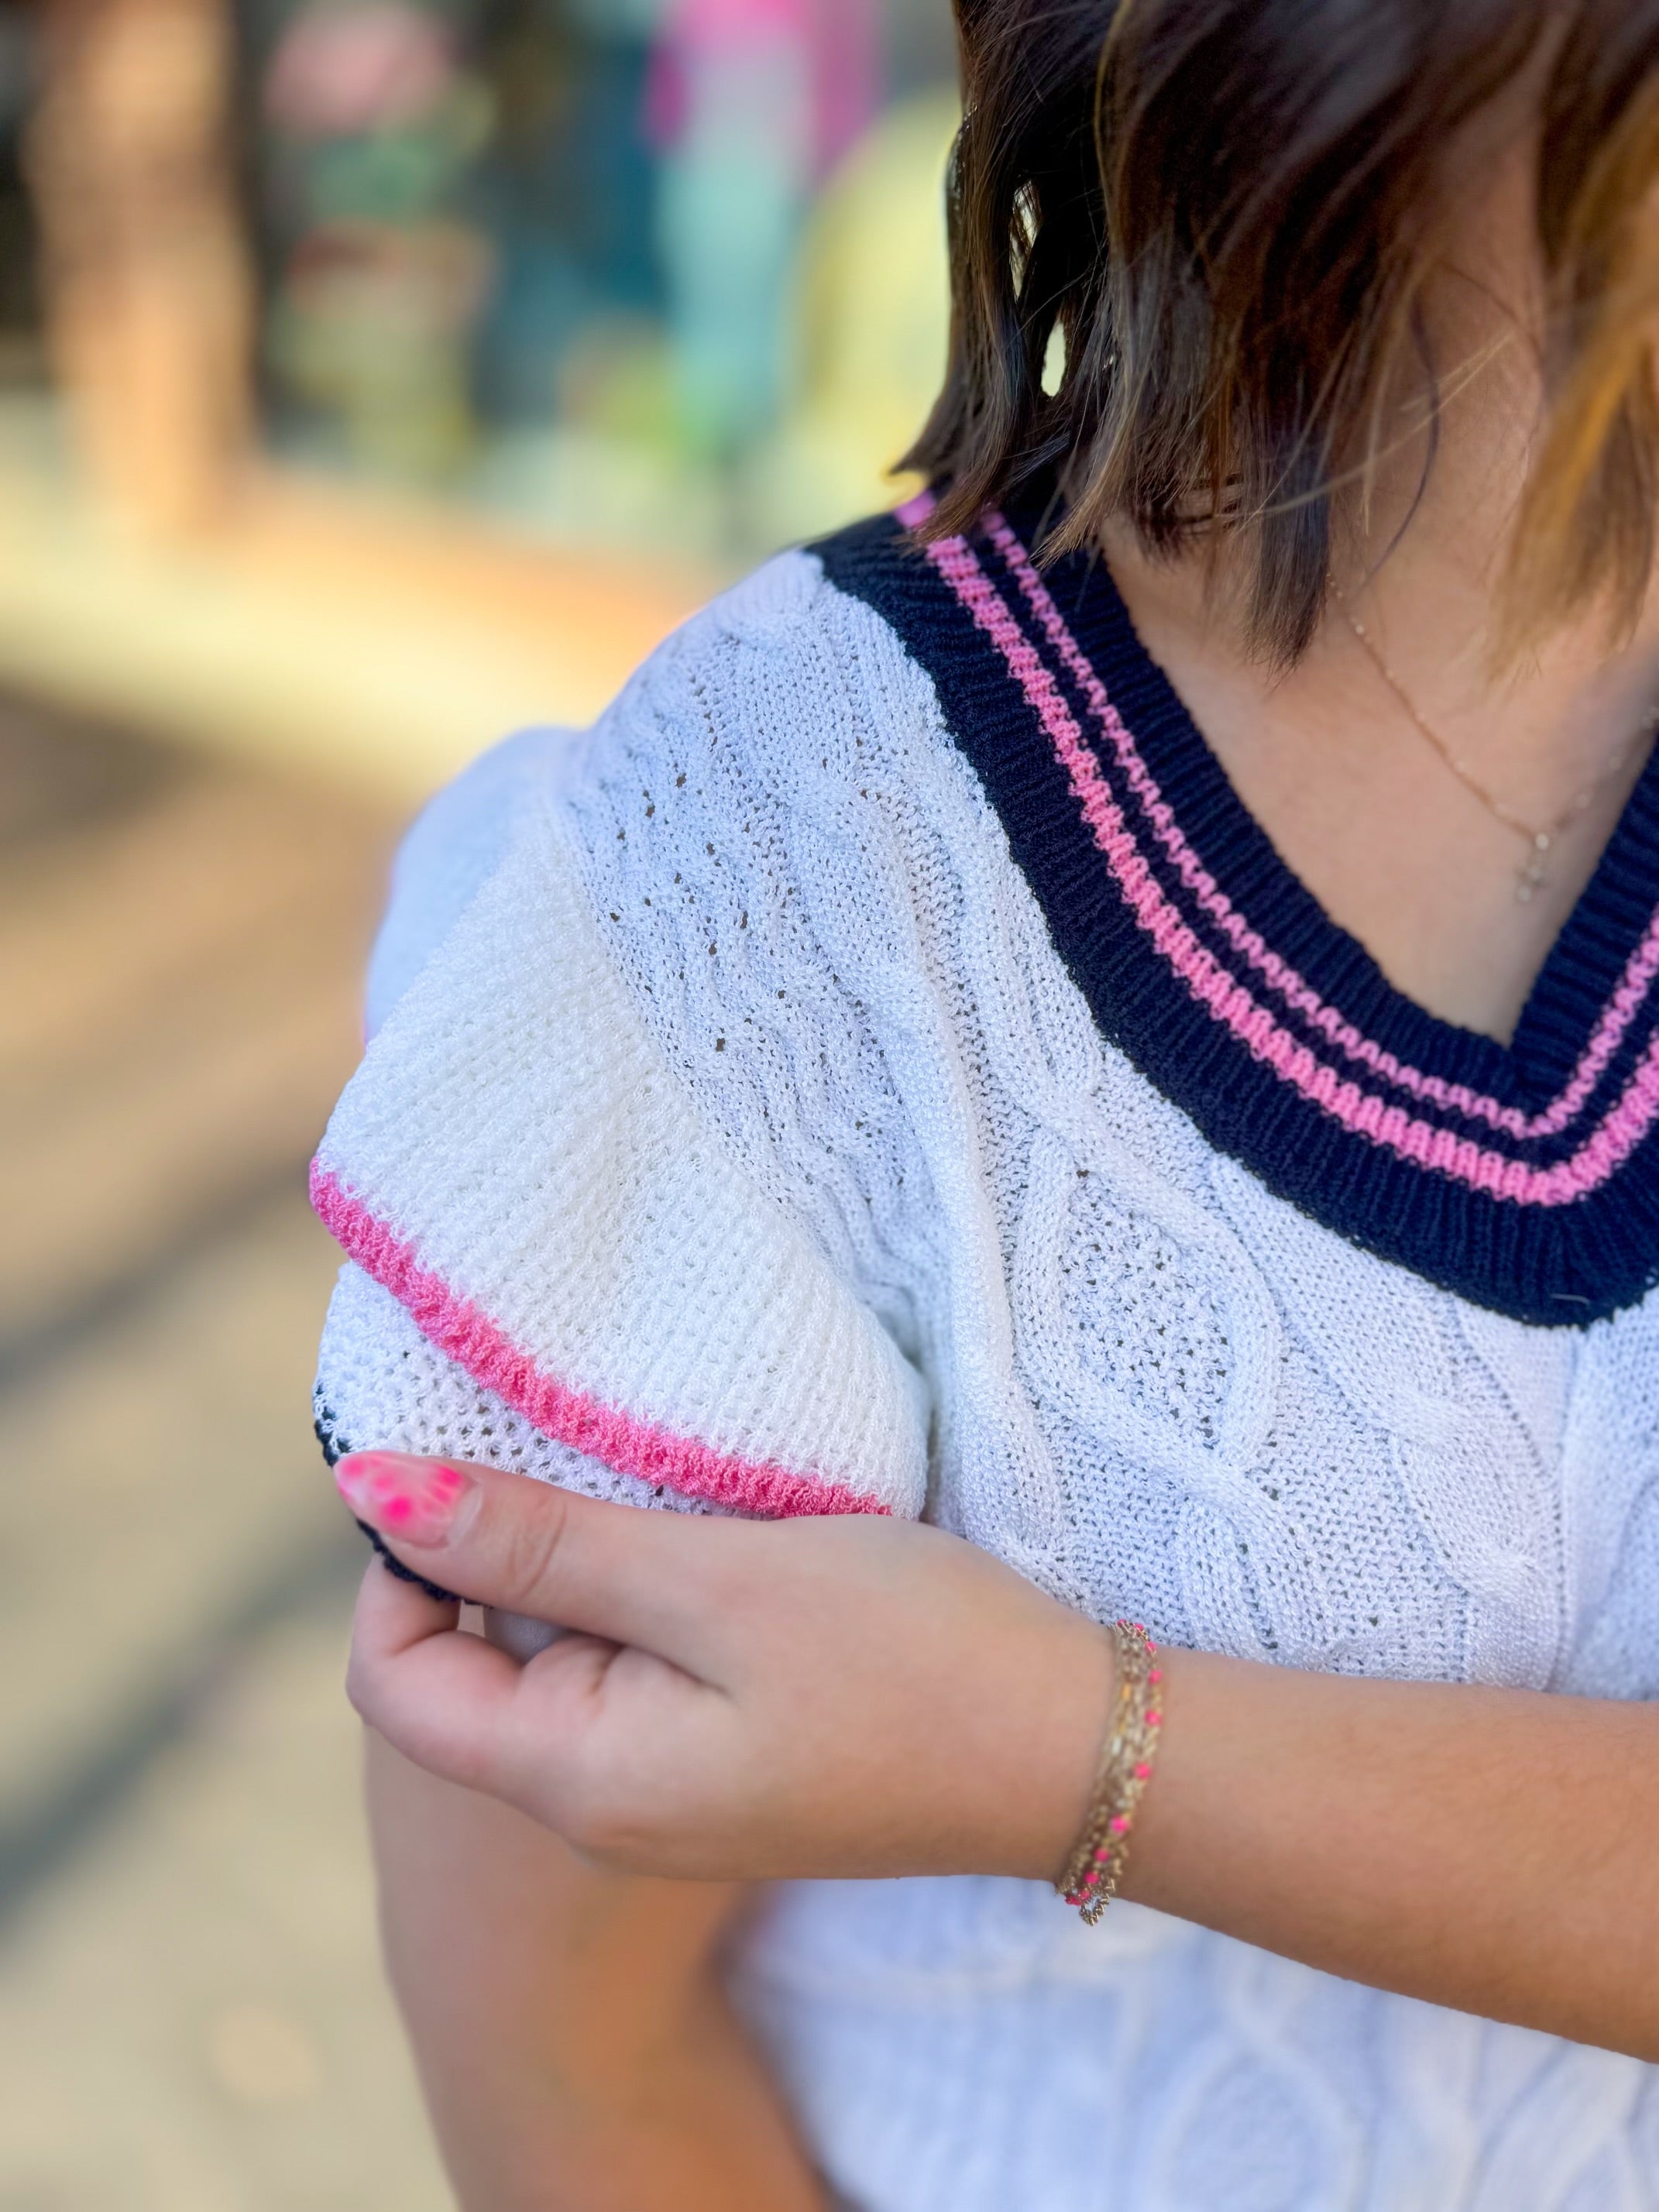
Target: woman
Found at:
x=896, y=1066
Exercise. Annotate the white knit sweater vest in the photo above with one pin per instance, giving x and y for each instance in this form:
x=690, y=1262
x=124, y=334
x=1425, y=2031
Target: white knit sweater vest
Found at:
x=735, y=1136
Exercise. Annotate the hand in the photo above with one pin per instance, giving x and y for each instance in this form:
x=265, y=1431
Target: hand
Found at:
x=734, y=1699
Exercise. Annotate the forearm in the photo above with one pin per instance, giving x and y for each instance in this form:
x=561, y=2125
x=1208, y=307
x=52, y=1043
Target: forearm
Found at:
x=850, y=1695
x=1492, y=1850
x=574, y=2045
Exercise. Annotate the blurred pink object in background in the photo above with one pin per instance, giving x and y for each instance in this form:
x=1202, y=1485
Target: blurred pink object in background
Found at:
x=340, y=71
x=837, y=41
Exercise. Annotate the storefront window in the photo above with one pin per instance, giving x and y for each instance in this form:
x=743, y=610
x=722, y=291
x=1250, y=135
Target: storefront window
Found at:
x=652, y=269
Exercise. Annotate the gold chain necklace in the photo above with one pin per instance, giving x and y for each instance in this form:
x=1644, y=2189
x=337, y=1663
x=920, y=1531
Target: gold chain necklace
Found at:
x=1539, y=839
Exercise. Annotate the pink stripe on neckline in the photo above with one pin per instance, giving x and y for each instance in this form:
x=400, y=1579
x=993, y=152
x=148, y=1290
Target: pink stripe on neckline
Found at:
x=1225, y=1000
x=1616, y=1015
x=624, y=1443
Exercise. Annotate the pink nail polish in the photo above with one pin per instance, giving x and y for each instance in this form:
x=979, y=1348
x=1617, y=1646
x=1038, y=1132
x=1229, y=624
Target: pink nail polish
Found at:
x=413, y=1500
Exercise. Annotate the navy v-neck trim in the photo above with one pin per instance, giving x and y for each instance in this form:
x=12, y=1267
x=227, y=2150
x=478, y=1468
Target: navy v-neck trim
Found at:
x=1581, y=969
x=1524, y=1177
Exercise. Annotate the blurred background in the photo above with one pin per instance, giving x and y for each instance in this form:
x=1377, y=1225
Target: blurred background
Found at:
x=375, y=375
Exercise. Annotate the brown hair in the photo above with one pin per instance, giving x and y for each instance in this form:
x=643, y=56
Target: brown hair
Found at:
x=1225, y=208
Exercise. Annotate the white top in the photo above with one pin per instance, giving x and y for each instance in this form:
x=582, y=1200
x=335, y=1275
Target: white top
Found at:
x=730, y=1110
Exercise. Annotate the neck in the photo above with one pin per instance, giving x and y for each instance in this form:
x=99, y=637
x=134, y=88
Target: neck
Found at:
x=1361, y=803
x=1421, y=561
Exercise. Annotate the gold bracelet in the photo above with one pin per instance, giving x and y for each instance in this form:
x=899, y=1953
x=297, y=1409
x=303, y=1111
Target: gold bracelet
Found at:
x=1095, y=1866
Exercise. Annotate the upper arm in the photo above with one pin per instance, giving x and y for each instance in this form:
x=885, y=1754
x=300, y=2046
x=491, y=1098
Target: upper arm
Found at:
x=565, y=1955
x=544, y=1997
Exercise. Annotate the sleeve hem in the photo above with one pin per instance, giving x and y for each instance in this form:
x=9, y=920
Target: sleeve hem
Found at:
x=623, y=1441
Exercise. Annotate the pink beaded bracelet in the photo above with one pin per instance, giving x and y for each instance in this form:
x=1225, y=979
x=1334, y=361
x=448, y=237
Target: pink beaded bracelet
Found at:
x=1095, y=1866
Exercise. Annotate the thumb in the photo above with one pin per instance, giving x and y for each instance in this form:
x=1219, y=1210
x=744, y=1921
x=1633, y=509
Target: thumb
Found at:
x=632, y=1577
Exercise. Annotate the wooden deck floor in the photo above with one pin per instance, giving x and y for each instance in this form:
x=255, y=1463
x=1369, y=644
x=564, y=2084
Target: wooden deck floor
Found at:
x=191, y=2018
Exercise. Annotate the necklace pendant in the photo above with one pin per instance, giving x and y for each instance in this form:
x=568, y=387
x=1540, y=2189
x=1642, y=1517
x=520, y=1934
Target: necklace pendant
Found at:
x=1535, y=871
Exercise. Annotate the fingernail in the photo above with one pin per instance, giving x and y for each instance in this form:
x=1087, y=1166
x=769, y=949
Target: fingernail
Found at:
x=415, y=1500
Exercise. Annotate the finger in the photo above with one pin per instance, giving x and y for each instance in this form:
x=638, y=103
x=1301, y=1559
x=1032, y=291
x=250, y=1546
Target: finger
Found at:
x=440, y=1697
x=660, y=1581
x=469, y=1714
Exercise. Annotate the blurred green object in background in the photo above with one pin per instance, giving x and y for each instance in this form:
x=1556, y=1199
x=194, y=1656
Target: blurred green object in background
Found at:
x=525, y=251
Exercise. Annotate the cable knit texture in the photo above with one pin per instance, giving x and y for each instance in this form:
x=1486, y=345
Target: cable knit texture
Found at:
x=903, y=1217
x=634, y=1293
